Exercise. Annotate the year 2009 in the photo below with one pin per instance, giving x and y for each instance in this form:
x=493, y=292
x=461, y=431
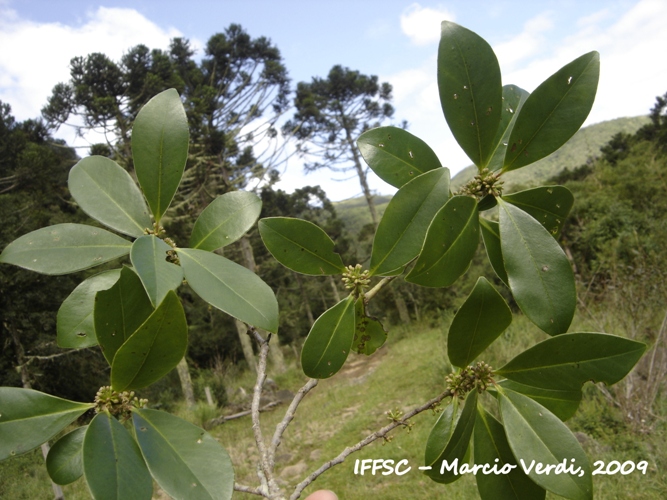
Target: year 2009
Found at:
x=615, y=467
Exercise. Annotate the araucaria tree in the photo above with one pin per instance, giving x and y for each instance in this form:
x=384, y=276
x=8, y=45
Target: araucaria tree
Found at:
x=428, y=234
x=330, y=115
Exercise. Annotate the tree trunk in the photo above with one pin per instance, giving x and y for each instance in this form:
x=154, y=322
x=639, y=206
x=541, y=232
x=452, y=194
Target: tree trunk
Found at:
x=276, y=355
x=334, y=288
x=186, y=382
x=25, y=380
x=362, y=177
x=246, y=345
x=304, y=298
x=402, y=308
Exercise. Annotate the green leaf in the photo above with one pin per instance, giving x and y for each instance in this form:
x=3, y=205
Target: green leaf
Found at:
x=450, y=244
x=154, y=349
x=369, y=334
x=225, y=220
x=300, y=246
x=149, y=258
x=441, y=433
x=160, y=138
x=562, y=403
x=29, y=418
x=106, y=192
x=553, y=112
x=478, y=322
x=64, y=461
x=567, y=361
x=537, y=436
x=491, y=237
x=492, y=448
x=75, y=323
x=470, y=90
x=330, y=339
x=454, y=446
x=112, y=463
x=513, y=99
x=395, y=155
x=64, y=249
x=119, y=311
x=186, y=461
x=549, y=205
x=401, y=232
x=540, y=276
x=231, y=288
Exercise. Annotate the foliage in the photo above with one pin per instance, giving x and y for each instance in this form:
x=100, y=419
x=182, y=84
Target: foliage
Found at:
x=428, y=235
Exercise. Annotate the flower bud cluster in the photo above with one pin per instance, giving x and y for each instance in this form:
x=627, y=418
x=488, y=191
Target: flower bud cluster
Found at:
x=478, y=376
x=355, y=278
x=483, y=184
x=118, y=404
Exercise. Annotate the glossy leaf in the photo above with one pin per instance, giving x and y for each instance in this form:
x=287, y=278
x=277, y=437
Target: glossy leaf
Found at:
x=491, y=236
x=186, y=461
x=540, y=276
x=553, y=112
x=513, y=99
x=549, y=205
x=149, y=258
x=369, y=334
x=478, y=322
x=29, y=418
x=450, y=244
x=225, y=220
x=74, y=323
x=106, y=192
x=160, y=138
x=470, y=90
x=112, y=463
x=119, y=311
x=401, y=232
x=562, y=403
x=64, y=249
x=536, y=434
x=64, y=461
x=231, y=288
x=454, y=446
x=567, y=361
x=330, y=339
x=154, y=349
x=300, y=246
x=395, y=155
x=492, y=448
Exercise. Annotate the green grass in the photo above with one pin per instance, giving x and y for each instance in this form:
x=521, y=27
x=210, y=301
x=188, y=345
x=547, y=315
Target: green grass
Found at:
x=344, y=409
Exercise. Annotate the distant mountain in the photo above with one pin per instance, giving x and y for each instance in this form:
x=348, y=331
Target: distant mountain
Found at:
x=584, y=144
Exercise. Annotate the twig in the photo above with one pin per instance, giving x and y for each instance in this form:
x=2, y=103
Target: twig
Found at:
x=214, y=422
x=366, y=441
x=248, y=489
x=371, y=293
x=289, y=416
x=264, y=468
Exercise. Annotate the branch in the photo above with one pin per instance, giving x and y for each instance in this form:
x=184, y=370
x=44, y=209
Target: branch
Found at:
x=214, y=422
x=366, y=441
x=248, y=489
x=373, y=291
x=257, y=393
x=289, y=416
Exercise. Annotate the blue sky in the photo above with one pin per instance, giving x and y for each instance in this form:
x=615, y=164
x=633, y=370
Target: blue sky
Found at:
x=396, y=40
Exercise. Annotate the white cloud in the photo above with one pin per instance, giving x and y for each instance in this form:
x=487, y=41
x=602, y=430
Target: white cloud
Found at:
x=422, y=24
x=527, y=43
x=36, y=56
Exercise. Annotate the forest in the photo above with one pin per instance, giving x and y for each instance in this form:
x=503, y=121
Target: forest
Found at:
x=246, y=119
